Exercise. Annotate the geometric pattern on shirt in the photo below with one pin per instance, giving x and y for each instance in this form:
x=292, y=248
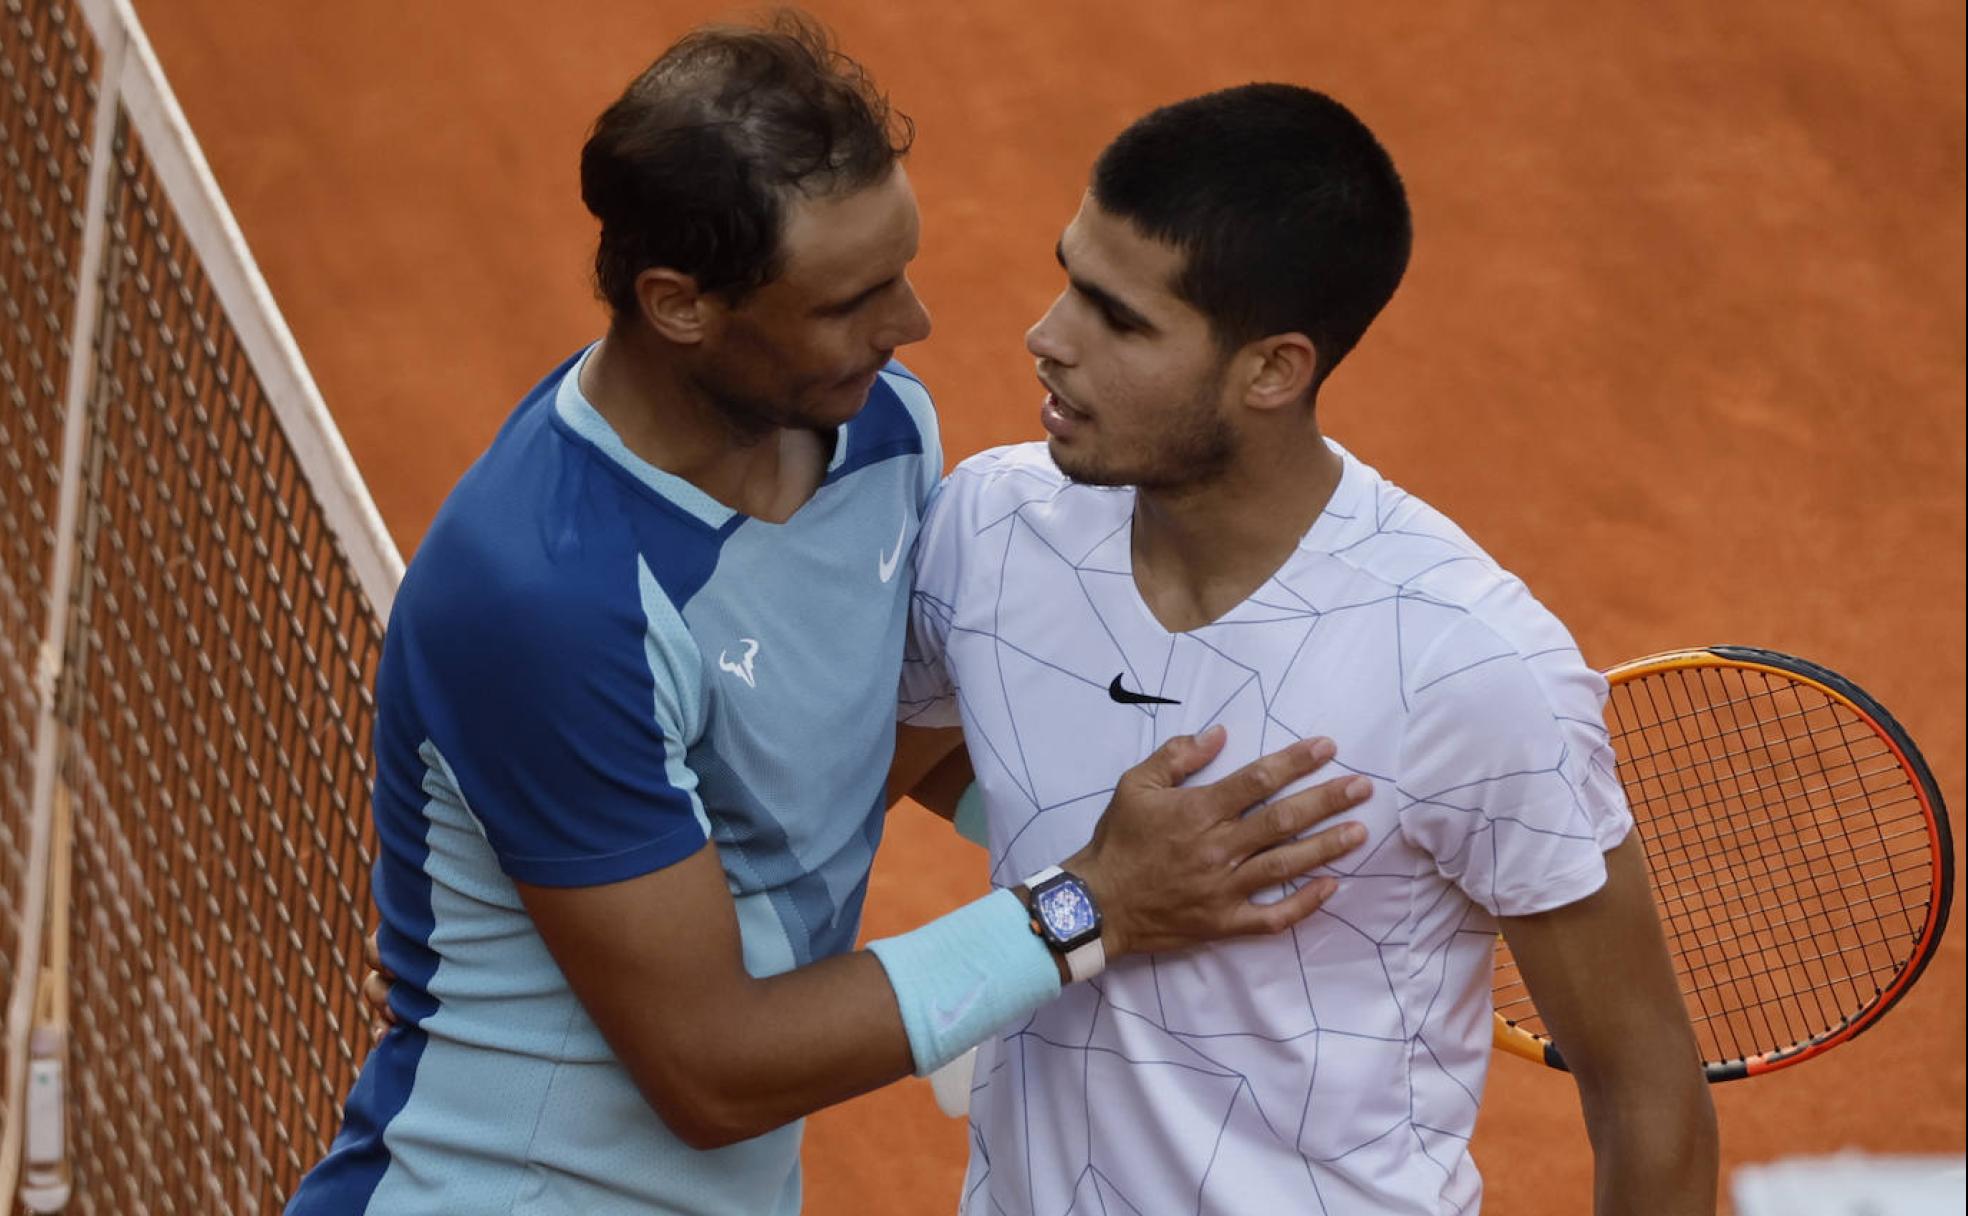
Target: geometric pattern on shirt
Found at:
x=1336, y=1069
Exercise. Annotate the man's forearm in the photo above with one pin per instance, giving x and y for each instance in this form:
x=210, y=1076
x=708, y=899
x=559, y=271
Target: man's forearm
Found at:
x=786, y=1046
x=1599, y=972
x=907, y=1004
x=926, y=760
x=1654, y=1149
x=940, y=788
x=723, y=1055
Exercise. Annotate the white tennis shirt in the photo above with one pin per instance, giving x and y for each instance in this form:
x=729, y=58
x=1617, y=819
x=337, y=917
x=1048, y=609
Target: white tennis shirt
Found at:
x=1336, y=1068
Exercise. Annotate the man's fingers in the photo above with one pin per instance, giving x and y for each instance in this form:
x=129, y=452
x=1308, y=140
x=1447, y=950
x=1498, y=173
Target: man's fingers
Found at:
x=1295, y=860
x=1231, y=796
x=1259, y=919
x=375, y=994
x=1287, y=818
x=372, y=954
x=1179, y=759
x=376, y=985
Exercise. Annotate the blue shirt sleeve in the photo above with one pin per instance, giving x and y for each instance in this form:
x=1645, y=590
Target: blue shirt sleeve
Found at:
x=565, y=707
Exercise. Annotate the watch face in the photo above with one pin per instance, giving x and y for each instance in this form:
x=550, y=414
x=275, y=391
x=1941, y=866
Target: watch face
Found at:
x=1066, y=911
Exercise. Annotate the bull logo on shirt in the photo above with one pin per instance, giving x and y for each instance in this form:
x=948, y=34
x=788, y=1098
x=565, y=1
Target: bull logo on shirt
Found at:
x=743, y=667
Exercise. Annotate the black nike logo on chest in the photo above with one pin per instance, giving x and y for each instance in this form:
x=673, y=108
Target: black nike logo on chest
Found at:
x=1125, y=697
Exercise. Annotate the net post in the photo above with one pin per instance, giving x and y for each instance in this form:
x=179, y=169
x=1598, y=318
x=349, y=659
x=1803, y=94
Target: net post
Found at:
x=112, y=41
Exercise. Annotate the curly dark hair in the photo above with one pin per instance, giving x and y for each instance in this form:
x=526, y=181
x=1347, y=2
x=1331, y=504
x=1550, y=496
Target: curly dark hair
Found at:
x=692, y=166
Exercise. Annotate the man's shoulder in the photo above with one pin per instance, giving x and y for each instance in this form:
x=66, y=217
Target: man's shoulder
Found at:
x=1394, y=537
x=541, y=542
x=1459, y=604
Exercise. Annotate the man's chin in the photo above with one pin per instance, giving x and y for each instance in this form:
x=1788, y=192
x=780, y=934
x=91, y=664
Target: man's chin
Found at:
x=1078, y=467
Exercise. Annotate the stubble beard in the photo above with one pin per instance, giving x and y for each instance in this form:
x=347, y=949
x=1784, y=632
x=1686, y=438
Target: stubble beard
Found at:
x=748, y=418
x=1196, y=448
x=747, y=414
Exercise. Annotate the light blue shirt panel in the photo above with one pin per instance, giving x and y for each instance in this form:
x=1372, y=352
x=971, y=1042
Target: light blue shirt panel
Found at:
x=496, y=985
x=767, y=949
x=817, y=719
x=519, y=1104
x=533, y=1138
x=793, y=760
x=795, y=638
x=678, y=672
x=574, y=408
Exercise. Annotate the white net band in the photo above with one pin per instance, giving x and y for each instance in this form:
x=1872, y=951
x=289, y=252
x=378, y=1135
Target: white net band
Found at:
x=190, y=619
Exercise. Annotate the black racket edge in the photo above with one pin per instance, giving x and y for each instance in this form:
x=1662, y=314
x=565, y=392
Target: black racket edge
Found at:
x=1910, y=751
x=1732, y=1070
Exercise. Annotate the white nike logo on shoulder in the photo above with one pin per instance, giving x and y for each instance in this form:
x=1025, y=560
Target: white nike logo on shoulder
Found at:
x=888, y=560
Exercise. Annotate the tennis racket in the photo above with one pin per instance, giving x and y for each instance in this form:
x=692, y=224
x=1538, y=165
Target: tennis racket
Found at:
x=1798, y=847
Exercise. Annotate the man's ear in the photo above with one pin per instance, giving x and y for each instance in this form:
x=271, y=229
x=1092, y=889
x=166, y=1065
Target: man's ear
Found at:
x=672, y=305
x=1282, y=370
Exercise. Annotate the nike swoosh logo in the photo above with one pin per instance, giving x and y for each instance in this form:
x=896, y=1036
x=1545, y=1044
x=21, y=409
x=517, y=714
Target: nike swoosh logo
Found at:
x=1125, y=697
x=888, y=560
x=947, y=1016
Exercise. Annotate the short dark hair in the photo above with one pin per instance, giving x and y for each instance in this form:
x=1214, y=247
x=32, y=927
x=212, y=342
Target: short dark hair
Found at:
x=691, y=167
x=1287, y=209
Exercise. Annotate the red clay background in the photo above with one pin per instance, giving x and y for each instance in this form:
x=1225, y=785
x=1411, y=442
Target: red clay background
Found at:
x=1682, y=344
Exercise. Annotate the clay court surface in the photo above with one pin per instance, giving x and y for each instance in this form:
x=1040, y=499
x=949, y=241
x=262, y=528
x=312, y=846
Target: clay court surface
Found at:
x=1682, y=344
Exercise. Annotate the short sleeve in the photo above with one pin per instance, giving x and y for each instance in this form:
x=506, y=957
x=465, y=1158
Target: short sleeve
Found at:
x=928, y=696
x=565, y=715
x=1506, y=776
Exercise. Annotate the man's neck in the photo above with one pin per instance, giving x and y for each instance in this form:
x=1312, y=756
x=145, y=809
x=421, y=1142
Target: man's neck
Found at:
x=1199, y=551
x=668, y=421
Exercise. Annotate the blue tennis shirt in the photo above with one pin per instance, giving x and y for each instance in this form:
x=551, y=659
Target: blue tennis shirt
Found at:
x=591, y=668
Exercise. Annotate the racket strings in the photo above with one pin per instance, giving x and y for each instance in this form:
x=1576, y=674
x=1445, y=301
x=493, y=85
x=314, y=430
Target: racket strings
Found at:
x=1859, y=871
x=1828, y=983
x=1771, y=994
x=1776, y=821
x=1688, y=940
x=1685, y=843
x=1673, y=742
x=1696, y=992
x=1738, y=773
x=1713, y=707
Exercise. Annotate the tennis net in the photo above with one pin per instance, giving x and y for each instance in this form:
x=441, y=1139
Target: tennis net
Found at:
x=191, y=606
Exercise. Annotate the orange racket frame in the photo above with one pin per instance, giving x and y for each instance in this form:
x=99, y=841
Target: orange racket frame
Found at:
x=1517, y=1030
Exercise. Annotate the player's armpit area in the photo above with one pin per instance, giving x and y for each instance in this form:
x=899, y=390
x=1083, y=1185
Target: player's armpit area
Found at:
x=1599, y=973
x=931, y=765
x=722, y=1056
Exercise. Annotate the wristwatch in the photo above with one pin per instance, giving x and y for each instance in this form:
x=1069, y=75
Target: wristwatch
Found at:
x=1067, y=920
